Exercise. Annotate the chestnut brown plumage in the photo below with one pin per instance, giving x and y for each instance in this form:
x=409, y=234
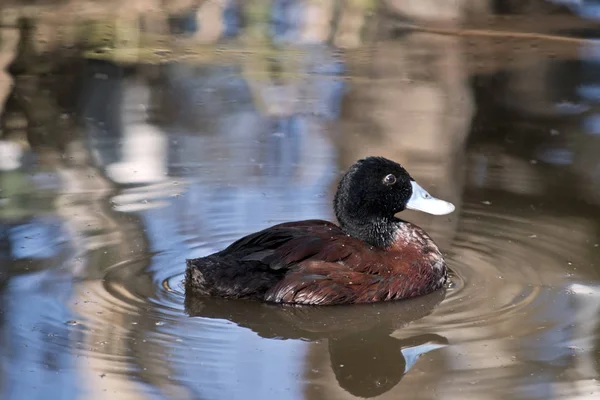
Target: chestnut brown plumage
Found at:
x=372, y=256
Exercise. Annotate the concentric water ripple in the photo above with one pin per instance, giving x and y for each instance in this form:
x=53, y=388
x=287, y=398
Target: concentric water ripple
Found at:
x=507, y=267
x=503, y=265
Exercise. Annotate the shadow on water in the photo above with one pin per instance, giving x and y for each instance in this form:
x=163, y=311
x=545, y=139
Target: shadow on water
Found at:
x=131, y=142
x=366, y=360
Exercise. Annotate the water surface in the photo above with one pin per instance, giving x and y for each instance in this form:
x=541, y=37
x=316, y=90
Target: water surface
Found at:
x=131, y=143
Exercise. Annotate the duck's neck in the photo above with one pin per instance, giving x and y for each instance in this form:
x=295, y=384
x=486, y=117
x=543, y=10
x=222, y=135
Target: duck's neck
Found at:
x=377, y=231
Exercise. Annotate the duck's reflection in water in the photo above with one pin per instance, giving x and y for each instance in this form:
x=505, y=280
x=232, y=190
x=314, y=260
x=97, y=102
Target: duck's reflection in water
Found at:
x=364, y=356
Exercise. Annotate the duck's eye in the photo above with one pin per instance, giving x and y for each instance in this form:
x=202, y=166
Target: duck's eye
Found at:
x=389, y=179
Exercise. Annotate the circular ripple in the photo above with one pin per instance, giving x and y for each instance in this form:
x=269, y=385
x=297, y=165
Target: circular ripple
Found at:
x=506, y=268
x=174, y=284
x=500, y=264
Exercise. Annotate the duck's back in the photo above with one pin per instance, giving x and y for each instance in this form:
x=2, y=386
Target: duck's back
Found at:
x=314, y=262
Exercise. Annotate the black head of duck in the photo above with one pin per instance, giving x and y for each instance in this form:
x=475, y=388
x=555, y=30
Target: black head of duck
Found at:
x=371, y=256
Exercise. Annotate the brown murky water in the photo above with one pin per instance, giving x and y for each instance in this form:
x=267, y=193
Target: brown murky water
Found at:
x=131, y=142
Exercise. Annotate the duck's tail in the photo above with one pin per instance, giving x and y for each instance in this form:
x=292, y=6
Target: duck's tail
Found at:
x=227, y=278
x=195, y=281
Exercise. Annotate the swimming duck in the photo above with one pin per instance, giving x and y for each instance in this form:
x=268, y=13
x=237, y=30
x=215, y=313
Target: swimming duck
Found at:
x=371, y=256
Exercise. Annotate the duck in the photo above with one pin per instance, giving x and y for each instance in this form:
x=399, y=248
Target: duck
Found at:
x=370, y=256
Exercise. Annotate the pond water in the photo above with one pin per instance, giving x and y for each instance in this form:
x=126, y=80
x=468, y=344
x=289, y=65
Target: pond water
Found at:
x=122, y=156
